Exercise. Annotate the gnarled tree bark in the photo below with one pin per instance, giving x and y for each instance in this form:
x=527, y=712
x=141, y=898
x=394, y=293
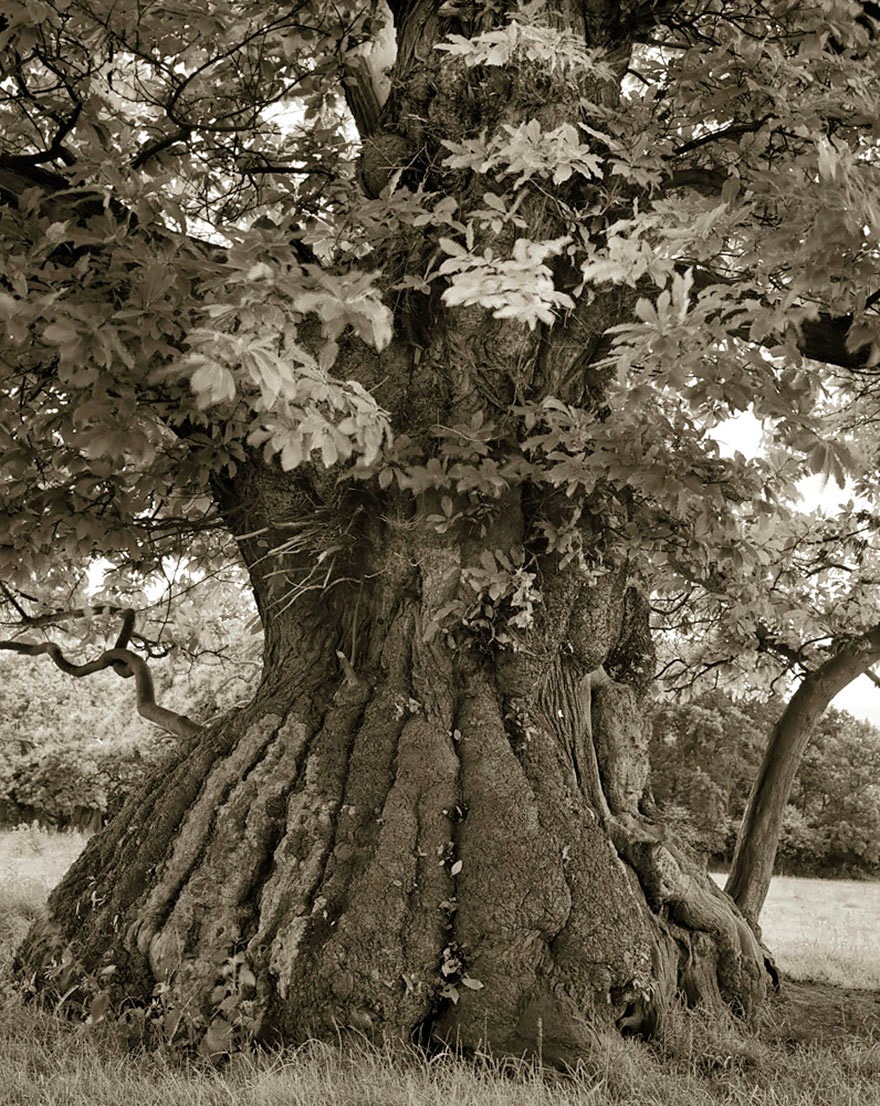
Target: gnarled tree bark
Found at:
x=406, y=833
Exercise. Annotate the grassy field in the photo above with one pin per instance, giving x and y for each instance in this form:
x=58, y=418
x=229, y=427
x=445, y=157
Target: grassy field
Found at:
x=825, y=930
x=32, y=861
x=47, y=1062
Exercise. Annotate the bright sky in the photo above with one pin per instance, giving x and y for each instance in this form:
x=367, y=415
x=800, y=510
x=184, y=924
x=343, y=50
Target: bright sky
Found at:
x=861, y=698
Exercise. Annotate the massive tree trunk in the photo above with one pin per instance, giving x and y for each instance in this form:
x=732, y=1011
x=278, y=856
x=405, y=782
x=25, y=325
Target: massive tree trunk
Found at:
x=416, y=829
x=407, y=832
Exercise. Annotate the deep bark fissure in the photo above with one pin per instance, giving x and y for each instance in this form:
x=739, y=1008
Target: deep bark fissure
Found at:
x=425, y=1033
x=261, y=875
x=198, y=835
x=447, y=842
x=349, y=735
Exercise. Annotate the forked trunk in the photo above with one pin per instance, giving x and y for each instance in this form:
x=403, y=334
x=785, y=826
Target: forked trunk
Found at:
x=412, y=831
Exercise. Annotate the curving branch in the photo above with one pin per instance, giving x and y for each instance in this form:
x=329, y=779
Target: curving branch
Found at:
x=824, y=338
x=124, y=663
x=758, y=838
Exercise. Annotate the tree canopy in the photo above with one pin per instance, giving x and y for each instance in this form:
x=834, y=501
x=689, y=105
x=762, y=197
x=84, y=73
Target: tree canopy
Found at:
x=198, y=211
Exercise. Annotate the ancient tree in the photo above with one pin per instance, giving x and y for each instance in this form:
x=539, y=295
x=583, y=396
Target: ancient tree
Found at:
x=430, y=307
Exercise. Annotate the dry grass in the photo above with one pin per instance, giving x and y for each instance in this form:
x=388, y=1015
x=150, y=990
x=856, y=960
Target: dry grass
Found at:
x=48, y=1062
x=827, y=930
x=38, y=854
x=32, y=861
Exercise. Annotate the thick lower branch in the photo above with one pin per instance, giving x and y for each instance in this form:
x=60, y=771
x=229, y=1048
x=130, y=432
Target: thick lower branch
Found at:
x=824, y=338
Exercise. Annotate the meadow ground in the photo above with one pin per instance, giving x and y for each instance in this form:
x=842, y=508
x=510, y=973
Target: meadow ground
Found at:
x=824, y=930
x=819, y=1045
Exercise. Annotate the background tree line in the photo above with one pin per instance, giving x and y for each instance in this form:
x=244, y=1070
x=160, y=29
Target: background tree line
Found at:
x=71, y=750
x=704, y=757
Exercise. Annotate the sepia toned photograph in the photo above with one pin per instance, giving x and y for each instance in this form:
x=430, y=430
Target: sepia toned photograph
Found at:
x=439, y=553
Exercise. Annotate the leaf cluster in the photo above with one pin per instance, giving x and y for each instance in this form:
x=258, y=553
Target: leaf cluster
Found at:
x=192, y=270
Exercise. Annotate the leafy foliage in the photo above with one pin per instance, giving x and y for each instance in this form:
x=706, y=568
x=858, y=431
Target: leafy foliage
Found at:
x=211, y=247
x=704, y=757
x=838, y=796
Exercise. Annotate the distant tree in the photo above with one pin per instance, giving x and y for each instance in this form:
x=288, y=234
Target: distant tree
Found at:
x=428, y=309
x=805, y=618
x=752, y=866
x=831, y=821
x=838, y=790
x=704, y=756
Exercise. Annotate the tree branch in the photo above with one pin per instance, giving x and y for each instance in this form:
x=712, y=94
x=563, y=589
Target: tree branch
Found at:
x=127, y=665
x=152, y=149
x=153, y=648
x=56, y=149
x=55, y=618
x=758, y=839
x=13, y=602
x=768, y=644
x=708, y=182
x=735, y=130
x=361, y=97
x=822, y=339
